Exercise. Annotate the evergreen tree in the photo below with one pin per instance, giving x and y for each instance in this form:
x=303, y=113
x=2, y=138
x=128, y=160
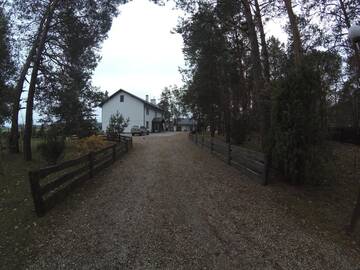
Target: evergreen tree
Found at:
x=117, y=124
x=46, y=48
x=66, y=95
x=6, y=69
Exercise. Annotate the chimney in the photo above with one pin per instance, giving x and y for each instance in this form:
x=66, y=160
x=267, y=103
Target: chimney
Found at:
x=147, y=98
x=153, y=101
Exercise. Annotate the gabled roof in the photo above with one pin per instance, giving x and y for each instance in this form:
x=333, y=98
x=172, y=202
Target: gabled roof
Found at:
x=142, y=100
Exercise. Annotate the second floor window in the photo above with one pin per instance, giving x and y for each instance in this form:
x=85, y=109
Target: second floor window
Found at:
x=147, y=111
x=122, y=98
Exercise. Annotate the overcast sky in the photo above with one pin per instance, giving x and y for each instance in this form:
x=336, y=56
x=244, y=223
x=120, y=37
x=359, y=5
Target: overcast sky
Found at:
x=141, y=55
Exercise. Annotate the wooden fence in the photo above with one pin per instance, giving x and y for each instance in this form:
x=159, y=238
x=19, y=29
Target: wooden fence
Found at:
x=345, y=134
x=252, y=163
x=51, y=184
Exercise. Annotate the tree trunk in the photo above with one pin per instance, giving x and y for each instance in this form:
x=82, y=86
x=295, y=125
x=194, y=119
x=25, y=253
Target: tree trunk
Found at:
x=32, y=87
x=257, y=71
x=295, y=32
x=266, y=96
x=264, y=50
x=14, y=133
x=356, y=214
x=212, y=121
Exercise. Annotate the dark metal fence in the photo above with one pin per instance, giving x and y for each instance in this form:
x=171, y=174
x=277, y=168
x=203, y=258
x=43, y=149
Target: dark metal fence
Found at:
x=345, y=134
x=252, y=163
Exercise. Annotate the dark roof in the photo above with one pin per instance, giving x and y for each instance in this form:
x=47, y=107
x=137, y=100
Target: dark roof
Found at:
x=142, y=100
x=158, y=120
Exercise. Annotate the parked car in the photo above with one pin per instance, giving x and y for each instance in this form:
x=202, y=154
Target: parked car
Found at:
x=136, y=130
x=144, y=130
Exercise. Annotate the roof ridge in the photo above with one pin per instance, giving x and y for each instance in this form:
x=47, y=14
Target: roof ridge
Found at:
x=122, y=90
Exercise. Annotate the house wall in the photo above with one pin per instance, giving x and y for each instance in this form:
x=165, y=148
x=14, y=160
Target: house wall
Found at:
x=131, y=108
x=150, y=117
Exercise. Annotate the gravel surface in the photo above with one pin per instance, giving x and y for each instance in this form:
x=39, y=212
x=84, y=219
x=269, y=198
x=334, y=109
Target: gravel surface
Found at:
x=171, y=205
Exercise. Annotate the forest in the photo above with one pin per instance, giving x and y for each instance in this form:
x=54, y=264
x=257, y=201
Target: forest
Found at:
x=293, y=96
x=238, y=80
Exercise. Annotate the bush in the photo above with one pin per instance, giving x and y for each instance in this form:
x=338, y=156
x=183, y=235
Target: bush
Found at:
x=240, y=129
x=52, y=149
x=41, y=133
x=117, y=124
x=299, y=126
x=92, y=143
x=87, y=128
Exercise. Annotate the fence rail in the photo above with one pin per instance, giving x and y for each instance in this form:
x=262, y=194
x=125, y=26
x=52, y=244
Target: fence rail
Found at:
x=345, y=134
x=51, y=184
x=252, y=163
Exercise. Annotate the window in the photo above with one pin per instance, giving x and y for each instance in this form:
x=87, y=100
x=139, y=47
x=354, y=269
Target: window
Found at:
x=122, y=98
x=147, y=111
x=147, y=124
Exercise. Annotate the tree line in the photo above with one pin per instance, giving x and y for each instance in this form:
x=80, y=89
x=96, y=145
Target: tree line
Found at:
x=240, y=81
x=49, y=49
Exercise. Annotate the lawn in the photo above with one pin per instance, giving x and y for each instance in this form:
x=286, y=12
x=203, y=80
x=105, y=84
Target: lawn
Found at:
x=16, y=207
x=328, y=207
x=17, y=216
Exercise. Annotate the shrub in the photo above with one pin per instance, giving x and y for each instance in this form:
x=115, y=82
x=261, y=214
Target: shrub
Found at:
x=299, y=126
x=53, y=146
x=92, y=143
x=117, y=124
x=41, y=133
x=240, y=129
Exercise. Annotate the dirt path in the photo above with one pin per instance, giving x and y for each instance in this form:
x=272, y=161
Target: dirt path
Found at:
x=171, y=205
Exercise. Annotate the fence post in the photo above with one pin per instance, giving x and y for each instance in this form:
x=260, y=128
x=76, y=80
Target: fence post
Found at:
x=211, y=144
x=114, y=152
x=266, y=170
x=202, y=139
x=355, y=215
x=91, y=164
x=229, y=153
x=126, y=146
x=36, y=194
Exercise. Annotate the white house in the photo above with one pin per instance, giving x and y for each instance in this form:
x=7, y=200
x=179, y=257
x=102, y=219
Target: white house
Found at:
x=140, y=112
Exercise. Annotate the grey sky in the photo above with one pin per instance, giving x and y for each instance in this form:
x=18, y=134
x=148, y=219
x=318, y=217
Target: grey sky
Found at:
x=141, y=55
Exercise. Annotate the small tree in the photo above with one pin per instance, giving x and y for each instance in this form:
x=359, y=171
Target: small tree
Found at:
x=299, y=125
x=117, y=124
x=41, y=132
x=52, y=149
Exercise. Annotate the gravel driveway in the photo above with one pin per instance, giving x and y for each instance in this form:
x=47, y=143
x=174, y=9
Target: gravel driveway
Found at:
x=171, y=205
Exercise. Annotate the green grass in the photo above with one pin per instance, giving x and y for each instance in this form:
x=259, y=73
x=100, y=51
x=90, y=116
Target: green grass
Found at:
x=16, y=207
x=17, y=216
x=327, y=208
